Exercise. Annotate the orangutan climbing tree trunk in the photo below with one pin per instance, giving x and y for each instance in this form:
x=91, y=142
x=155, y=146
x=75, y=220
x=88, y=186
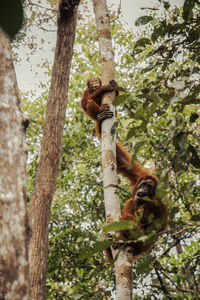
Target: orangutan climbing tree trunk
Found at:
x=123, y=263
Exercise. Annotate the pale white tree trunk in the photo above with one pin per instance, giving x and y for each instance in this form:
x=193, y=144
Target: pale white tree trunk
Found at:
x=14, y=280
x=123, y=264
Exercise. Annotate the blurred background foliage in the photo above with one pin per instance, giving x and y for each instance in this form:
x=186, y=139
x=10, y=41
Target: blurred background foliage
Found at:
x=158, y=122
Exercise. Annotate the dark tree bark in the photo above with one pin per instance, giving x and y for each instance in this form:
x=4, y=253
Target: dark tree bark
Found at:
x=51, y=148
x=14, y=277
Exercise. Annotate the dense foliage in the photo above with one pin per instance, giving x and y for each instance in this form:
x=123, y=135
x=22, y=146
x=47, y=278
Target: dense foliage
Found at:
x=158, y=119
x=163, y=123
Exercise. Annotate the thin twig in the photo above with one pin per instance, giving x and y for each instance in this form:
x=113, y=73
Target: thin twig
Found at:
x=162, y=284
x=178, y=288
x=47, y=30
x=170, y=247
x=46, y=8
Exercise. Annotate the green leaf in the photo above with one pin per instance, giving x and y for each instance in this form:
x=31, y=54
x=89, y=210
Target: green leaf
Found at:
x=137, y=235
x=187, y=8
x=138, y=146
x=193, y=97
x=153, y=107
x=119, y=100
x=142, y=42
x=132, y=132
x=194, y=117
x=166, y=5
x=190, y=100
x=143, y=20
x=159, y=31
x=91, y=250
x=175, y=28
x=195, y=160
x=144, y=266
x=120, y=225
x=195, y=218
x=162, y=186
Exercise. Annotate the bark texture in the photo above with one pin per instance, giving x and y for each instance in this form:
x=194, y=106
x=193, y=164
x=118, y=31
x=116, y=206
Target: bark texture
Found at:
x=14, y=280
x=50, y=151
x=123, y=264
x=108, y=140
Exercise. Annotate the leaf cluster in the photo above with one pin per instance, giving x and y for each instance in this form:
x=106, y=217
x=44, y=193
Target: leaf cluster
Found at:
x=158, y=116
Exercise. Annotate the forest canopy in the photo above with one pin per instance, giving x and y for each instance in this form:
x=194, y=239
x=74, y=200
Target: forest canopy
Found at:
x=157, y=69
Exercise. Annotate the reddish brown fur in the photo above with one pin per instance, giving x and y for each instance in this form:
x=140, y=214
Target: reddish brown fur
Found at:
x=91, y=104
x=156, y=208
x=131, y=170
x=91, y=101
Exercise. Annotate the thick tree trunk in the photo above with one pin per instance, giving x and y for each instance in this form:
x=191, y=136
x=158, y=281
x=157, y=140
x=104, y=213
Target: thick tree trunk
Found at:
x=51, y=150
x=123, y=264
x=14, y=277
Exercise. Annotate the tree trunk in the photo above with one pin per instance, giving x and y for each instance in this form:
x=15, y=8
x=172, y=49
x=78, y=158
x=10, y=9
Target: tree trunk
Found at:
x=123, y=264
x=14, y=278
x=51, y=149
